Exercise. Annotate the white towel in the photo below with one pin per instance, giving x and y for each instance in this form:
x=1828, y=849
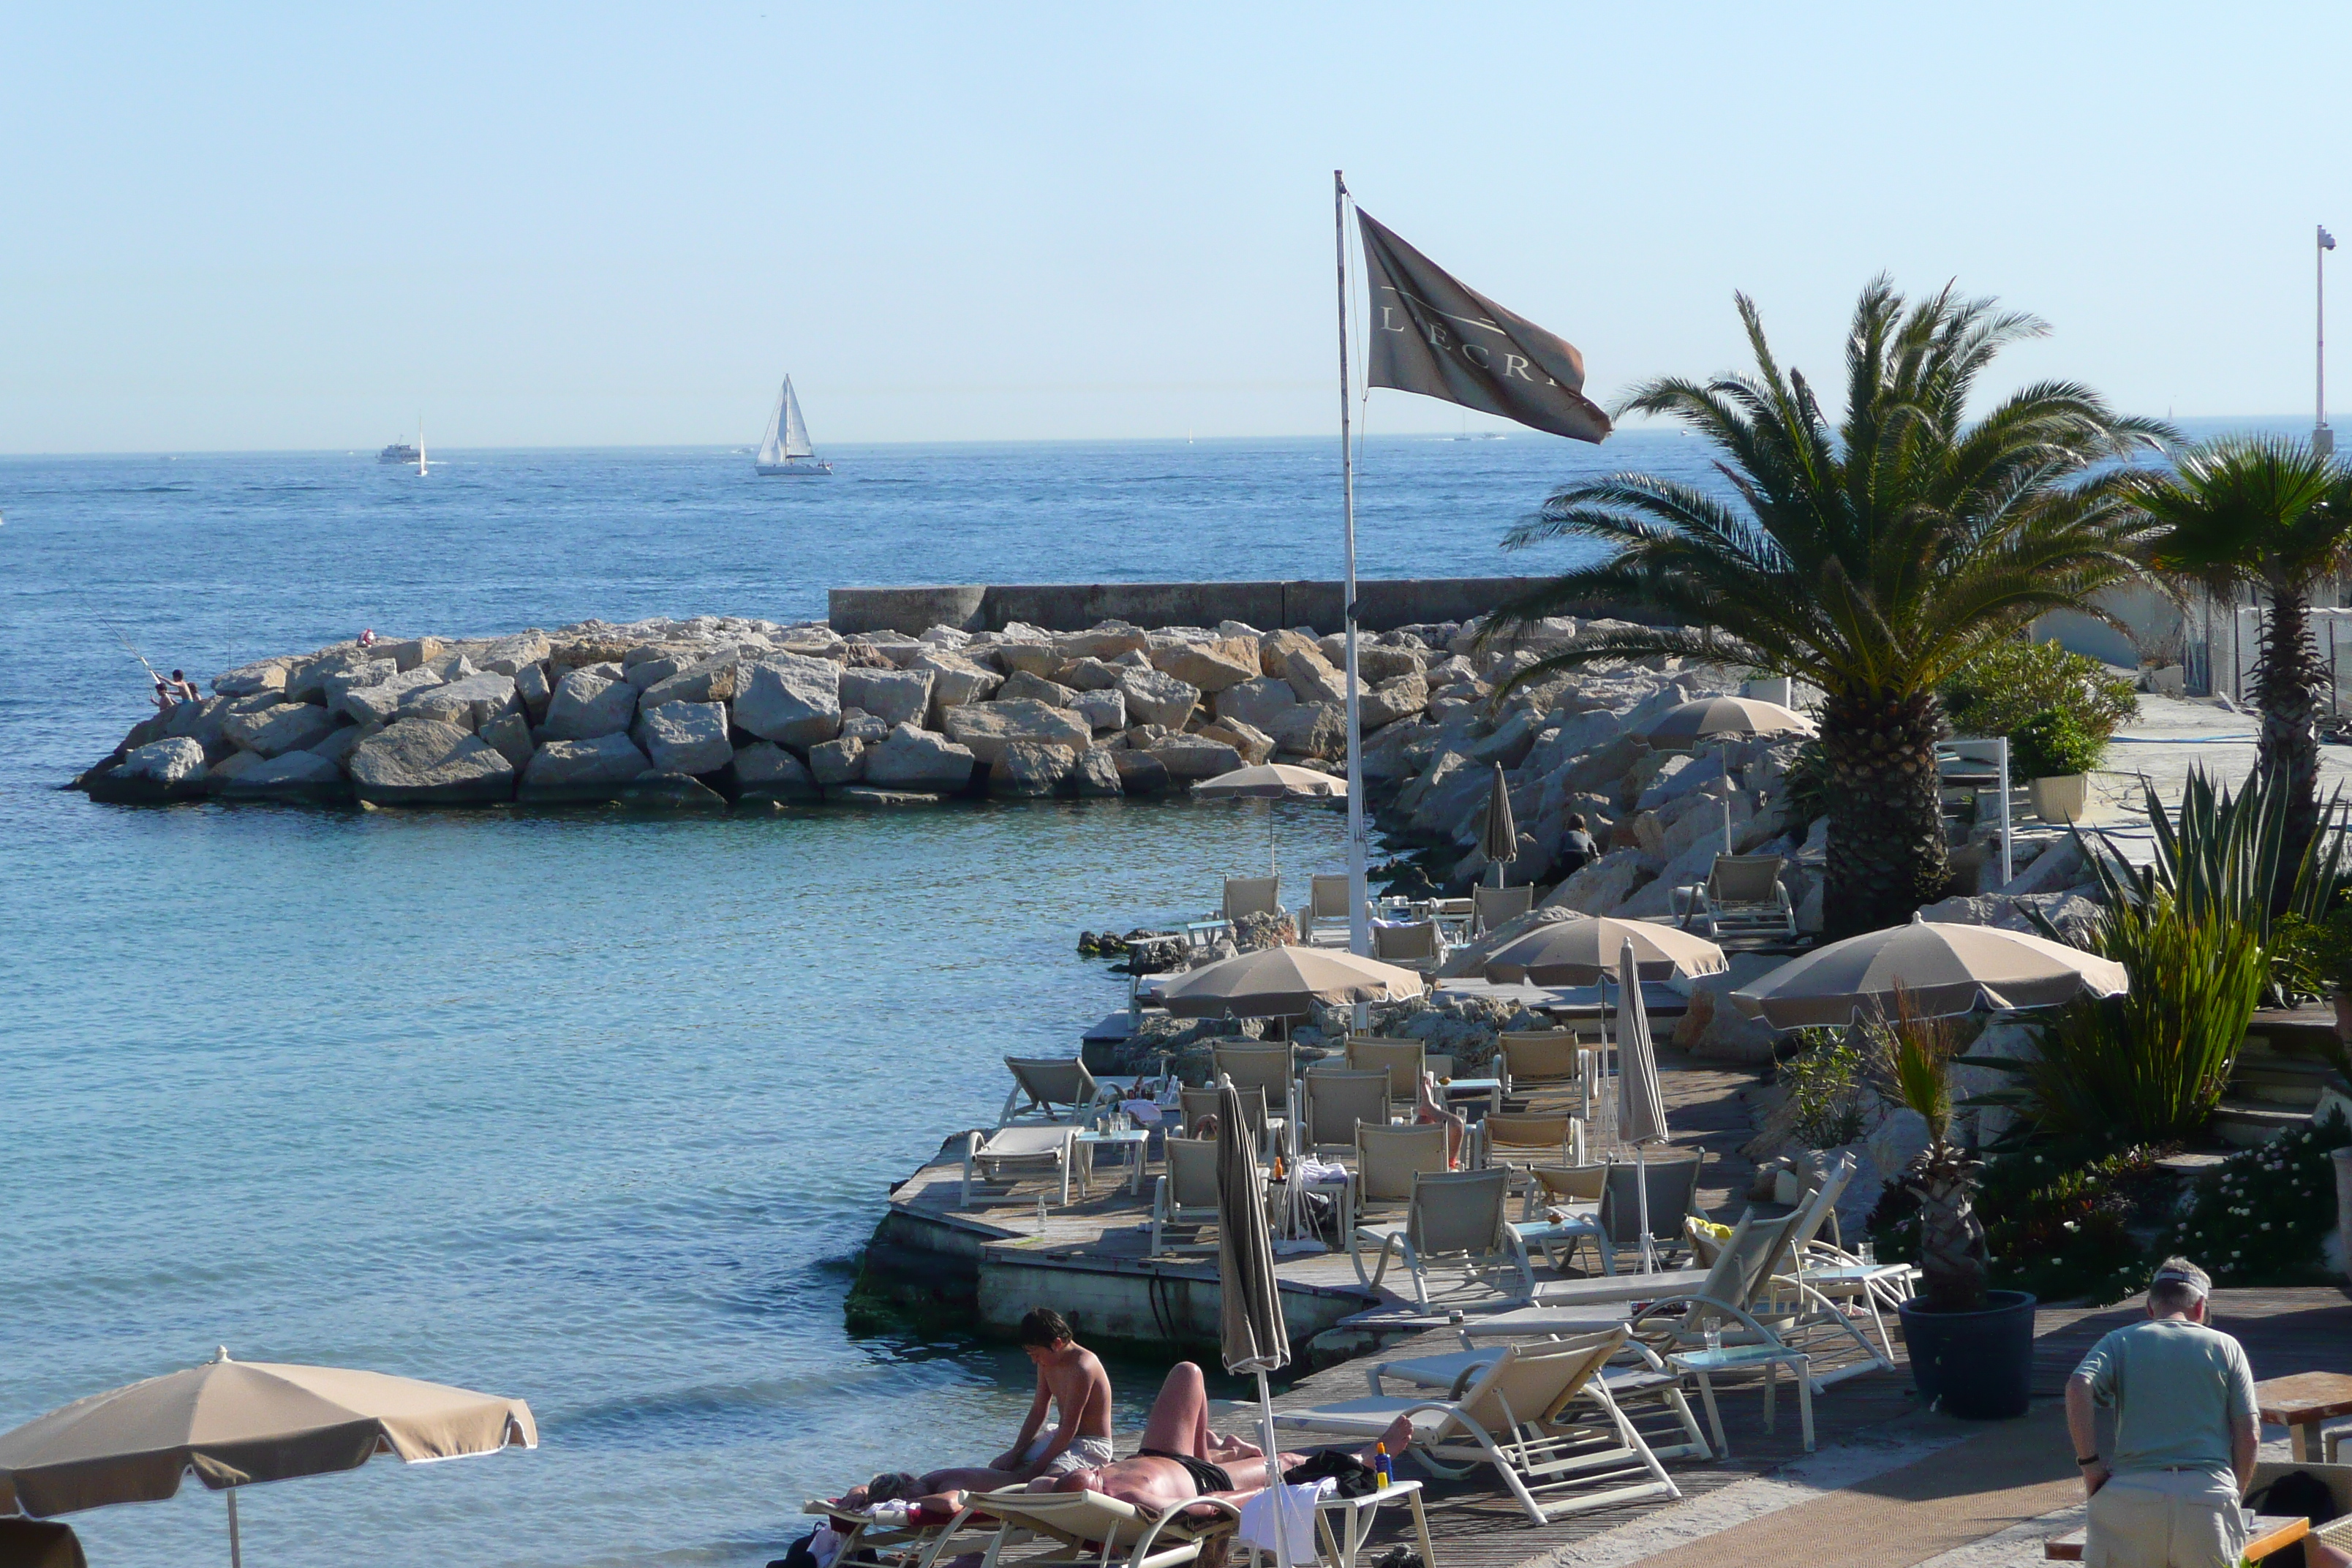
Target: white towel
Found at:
x=1297, y=1517
x=1146, y=1111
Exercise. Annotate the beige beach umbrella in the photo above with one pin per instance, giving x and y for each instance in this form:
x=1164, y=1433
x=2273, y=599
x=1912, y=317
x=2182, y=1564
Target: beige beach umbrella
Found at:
x=1709, y=719
x=1250, y=1327
x=1581, y=952
x=1272, y=781
x=1499, y=839
x=237, y=1424
x=1285, y=982
x=1945, y=968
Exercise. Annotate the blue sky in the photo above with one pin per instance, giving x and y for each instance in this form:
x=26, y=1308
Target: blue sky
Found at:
x=300, y=227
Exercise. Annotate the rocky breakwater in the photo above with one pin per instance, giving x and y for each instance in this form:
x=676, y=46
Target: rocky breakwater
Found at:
x=718, y=711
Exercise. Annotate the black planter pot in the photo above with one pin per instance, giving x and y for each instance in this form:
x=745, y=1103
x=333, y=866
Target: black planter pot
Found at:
x=1978, y=1365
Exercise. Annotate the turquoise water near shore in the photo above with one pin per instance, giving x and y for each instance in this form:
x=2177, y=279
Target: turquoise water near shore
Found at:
x=590, y=1110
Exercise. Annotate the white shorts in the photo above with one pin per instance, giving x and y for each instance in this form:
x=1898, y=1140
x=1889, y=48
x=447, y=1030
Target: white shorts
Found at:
x=2165, y=1519
x=1083, y=1454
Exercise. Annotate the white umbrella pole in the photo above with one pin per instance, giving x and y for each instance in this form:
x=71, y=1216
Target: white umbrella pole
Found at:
x=1271, y=870
x=1273, y=1471
x=235, y=1554
x=1641, y=1187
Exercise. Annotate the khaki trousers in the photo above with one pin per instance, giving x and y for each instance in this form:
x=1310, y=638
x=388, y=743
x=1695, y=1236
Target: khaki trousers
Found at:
x=2165, y=1518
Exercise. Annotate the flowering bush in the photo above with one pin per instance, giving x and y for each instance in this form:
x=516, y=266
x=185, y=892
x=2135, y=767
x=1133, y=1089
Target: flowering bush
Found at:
x=2261, y=1218
x=2055, y=1228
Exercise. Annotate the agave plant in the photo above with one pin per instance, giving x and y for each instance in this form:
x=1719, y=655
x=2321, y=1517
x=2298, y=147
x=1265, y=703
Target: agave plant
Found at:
x=1873, y=554
x=1914, y=1058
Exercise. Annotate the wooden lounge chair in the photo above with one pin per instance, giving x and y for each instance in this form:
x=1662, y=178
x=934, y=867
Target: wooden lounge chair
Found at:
x=1092, y=1530
x=1516, y=1414
x=1496, y=906
x=1186, y=1194
x=1333, y=1101
x=1416, y=946
x=1050, y=1088
x=992, y=1152
x=1453, y=1218
x=1742, y=895
x=1327, y=911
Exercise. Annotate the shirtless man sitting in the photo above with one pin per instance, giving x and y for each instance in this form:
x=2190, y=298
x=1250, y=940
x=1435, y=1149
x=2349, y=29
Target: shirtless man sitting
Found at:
x=1071, y=1380
x=1180, y=1460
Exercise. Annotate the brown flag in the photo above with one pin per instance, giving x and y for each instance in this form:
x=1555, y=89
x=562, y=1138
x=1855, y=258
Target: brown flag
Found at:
x=1434, y=336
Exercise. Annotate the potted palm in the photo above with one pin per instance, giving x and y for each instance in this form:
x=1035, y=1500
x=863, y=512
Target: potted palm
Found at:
x=2054, y=755
x=1972, y=1348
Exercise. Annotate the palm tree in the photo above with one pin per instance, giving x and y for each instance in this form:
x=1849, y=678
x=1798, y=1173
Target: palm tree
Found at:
x=2270, y=514
x=1872, y=558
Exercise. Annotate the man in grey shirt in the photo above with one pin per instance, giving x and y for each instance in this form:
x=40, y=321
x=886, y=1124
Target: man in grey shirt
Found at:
x=2166, y=1496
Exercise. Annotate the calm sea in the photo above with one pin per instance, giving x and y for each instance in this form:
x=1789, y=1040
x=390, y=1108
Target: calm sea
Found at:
x=593, y=1111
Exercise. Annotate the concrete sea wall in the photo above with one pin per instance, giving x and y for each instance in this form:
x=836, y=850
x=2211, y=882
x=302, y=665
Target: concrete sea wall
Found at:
x=1383, y=605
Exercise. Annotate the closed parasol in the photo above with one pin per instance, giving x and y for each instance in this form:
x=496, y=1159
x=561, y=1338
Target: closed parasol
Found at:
x=1250, y=1328
x=236, y=1424
x=1641, y=1101
x=1499, y=841
x=1944, y=969
x=1285, y=982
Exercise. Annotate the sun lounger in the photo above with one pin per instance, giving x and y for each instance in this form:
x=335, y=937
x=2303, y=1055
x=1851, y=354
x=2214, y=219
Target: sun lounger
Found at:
x=1051, y=1088
x=1453, y=1219
x=1388, y=1161
x=1403, y=1060
x=1495, y=906
x=1252, y=896
x=867, y=1542
x=1091, y=1530
x=1269, y=1067
x=1186, y=1194
x=992, y=1152
x=1742, y=895
x=1673, y=1180
x=1327, y=911
x=1516, y=1414
x=1638, y=1379
x=1416, y=946
x=1333, y=1102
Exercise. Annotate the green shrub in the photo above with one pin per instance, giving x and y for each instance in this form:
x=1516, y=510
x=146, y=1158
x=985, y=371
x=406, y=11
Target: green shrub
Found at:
x=2056, y=1226
x=2012, y=681
x=1827, y=1085
x=2262, y=1218
x=2051, y=744
x=1805, y=789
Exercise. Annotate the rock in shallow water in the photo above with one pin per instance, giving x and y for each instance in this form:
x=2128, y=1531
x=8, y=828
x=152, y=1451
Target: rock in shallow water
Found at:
x=685, y=737
x=1027, y=770
x=838, y=762
x=912, y=759
x=582, y=769
x=424, y=762
x=297, y=775
x=273, y=731
x=765, y=770
x=793, y=700
x=987, y=727
x=587, y=706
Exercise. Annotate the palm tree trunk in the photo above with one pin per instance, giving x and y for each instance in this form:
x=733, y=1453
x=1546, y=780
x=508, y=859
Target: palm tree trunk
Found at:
x=1886, y=853
x=1952, y=1263
x=2289, y=681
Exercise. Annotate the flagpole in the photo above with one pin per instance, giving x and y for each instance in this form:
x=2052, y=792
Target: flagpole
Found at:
x=1359, y=935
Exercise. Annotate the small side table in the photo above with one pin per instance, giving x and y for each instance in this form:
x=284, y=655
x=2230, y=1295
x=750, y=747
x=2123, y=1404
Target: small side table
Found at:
x=1580, y=1222
x=2300, y=1403
x=1464, y=1088
x=1135, y=1141
x=2271, y=1531
x=1704, y=1363
x=1341, y=1524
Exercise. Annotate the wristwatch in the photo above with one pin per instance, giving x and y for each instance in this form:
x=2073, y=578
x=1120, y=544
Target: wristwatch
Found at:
x=2082, y=1459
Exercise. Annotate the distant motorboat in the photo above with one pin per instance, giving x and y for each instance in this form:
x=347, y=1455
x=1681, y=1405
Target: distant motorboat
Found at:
x=785, y=450
x=402, y=453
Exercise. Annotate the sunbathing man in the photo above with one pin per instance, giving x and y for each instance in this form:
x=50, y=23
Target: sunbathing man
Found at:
x=1181, y=1459
x=1071, y=1380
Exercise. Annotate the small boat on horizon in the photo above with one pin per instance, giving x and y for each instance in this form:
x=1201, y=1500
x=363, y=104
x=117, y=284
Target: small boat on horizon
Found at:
x=400, y=452
x=785, y=450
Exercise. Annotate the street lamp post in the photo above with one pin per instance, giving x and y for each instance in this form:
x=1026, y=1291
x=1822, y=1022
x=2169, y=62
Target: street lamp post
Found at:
x=2323, y=439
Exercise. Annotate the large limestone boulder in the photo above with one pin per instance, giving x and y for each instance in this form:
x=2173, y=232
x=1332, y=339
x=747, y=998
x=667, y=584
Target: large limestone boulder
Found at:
x=306, y=679
x=268, y=674
x=917, y=760
x=1022, y=686
x=1155, y=697
x=838, y=762
x=706, y=680
x=1207, y=667
x=987, y=727
x=1312, y=678
x=582, y=769
x=793, y=700
x=894, y=696
x=1256, y=746
x=1257, y=703
x=1190, y=758
x=1089, y=675
x=765, y=770
x=668, y=792
x=226, y=771
x=508, y=655
x=1095, y=776
x=1108, y=641
x=412, y=653
x=587, y=706
x=535, y=690
x=1140, y=773
x=288, y=727
x=1102, y=709
x=1275, y=648
x=337, y=747
x=470, y=703
x=1401, y=697
x=1028, y=658
x=176, y=762
x=1600, y=885
x=685, y=737
x=1510, y=741
x=1311, y=729
x=1027, y=770
x=423, y=762
x=955, y=681
x=378, y=702
x=296, y=775
x=510, y=736
x=1375, y=662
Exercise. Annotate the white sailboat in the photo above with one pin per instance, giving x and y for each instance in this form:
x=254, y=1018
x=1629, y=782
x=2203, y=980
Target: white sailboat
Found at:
x=786, y=448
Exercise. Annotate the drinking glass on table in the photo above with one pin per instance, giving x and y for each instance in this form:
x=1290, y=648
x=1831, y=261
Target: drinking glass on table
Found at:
x=1869, y=1254
x=1714, y=1338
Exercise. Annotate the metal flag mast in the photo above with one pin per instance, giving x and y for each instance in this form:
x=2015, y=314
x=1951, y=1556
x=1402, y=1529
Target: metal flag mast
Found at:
x=2323, y=439
x=1359, y=934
